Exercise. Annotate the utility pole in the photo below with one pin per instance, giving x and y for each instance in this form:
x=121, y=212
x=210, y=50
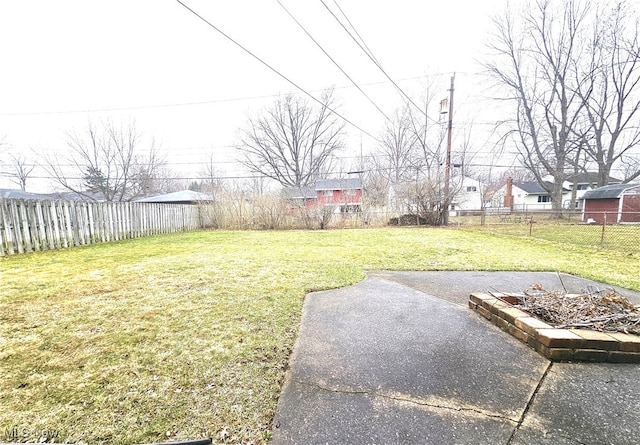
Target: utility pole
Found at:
x=447, y=166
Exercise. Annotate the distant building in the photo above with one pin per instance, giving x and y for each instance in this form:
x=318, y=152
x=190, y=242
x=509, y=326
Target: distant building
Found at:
x=181, y=197
x=19, y=194
x=343, y=195
x=531, y=195
x=528, y=196
x=611, y=204
x=468, y=197
x=303, y=197
x=583, y=183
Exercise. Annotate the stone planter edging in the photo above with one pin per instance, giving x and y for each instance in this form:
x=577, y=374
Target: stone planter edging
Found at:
x=557, y=344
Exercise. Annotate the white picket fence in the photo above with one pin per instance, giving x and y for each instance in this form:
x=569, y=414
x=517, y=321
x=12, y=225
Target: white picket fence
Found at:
x=32, y=226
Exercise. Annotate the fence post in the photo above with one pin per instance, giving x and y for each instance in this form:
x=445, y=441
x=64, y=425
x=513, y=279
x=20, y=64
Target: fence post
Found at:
x=531, y=226
x=604, y=224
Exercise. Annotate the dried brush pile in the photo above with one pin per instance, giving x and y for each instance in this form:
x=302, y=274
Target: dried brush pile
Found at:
x=604, y=311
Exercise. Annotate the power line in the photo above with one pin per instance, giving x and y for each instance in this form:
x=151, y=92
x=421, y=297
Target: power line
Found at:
x=375, y=62
x=274, y=70
x=355, y=30
x=332, y=59
x=204, y=102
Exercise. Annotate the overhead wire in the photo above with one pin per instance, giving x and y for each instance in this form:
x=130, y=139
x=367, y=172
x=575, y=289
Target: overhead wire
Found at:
x=139, y=107
x=333, y=60
x=256, y=176
x=186, y=104
x=355, y=30
x=235, y=42
x=375, y=62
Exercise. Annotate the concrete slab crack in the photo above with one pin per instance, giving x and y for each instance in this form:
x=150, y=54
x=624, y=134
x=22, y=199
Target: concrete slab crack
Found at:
x=413, y=400
x=529, y=403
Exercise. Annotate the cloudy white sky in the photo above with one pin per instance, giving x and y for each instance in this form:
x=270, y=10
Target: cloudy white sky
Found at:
x=67, y=62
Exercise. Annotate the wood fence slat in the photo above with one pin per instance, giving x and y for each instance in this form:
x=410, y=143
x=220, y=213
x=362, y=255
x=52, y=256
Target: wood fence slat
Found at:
x=6, y=222
x=68, y=229
x=30, y=225
x=41, y=225
x=80, y=219
x=48, y=224
x=127, y=220
x=55, y=219
x=73, y=219
x=92, y=225
x=101, y=219
x=17, y=233
x=24, y=227
x=61, y=225
x=6, y=242
x=109, y=215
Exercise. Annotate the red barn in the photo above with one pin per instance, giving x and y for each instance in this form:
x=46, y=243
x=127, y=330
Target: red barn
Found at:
x=612, y=204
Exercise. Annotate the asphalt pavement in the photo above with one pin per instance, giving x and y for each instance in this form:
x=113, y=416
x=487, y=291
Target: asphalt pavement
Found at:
x=400, y=359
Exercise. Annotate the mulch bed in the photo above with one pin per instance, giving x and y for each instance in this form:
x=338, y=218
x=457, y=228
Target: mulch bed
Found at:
x=604, y=311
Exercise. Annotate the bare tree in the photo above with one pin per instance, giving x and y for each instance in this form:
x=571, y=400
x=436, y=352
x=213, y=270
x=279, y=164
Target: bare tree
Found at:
x=412, y=153
x=534, y=57
x=630, y=165
x=107, y=163
x=572, y=70
x=212, y=181
x=20, y=168
x=375, y=185
x=397, y=152
x=293, y=142
x=608, y=81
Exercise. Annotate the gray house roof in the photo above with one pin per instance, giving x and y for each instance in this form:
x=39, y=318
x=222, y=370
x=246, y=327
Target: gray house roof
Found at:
x=181, y=196
x=19, y=194
x=338, y=184
x=609, y=191
x=589, y=178
x=303, y=192
x=534, y=188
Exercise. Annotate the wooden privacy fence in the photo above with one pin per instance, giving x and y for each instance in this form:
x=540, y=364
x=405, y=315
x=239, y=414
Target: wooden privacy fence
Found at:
x=31, y=226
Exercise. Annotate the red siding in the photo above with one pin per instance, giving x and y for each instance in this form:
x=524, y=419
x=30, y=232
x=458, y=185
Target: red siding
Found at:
x=631, y=207
x=628, y=211
x=595, y=209
x=339, y=197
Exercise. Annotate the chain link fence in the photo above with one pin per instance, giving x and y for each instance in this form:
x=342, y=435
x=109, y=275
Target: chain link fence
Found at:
x=546, y=225
x=569, y=229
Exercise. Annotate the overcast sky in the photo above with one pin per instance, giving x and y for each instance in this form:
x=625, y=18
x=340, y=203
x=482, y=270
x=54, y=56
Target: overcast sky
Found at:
x=67, y=62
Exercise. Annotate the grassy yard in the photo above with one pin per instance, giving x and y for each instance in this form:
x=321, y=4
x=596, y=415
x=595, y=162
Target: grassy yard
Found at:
x=188, y=335
x=570, y=229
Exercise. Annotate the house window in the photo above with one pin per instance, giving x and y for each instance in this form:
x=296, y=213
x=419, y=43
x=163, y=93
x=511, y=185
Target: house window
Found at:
x=327, y=192
x=584, y=187
x=350, y=192
x=472, y=188
x=544, y=198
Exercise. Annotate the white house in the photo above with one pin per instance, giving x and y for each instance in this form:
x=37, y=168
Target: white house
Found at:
x=531, y=196
x=584, y=182
x=468, y=196
x=526, y=196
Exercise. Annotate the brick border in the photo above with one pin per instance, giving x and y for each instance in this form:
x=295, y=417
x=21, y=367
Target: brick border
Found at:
x=558, y=345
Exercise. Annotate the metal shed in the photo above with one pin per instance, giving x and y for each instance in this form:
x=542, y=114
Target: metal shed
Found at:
x=611, y=204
